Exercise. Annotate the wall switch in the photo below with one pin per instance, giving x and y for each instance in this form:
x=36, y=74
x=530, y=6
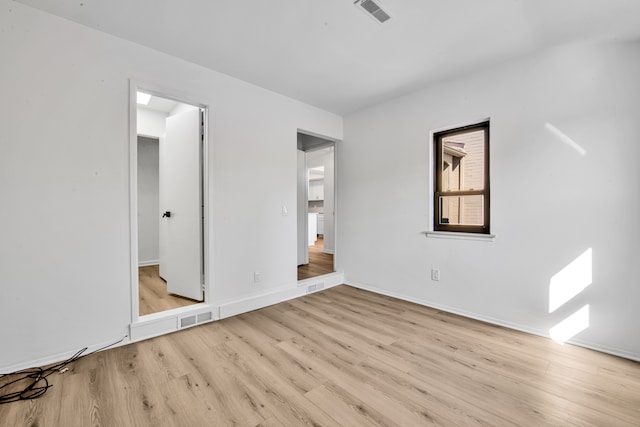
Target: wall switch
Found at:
x=285, y=211
x=256, y=277
x=435, y=274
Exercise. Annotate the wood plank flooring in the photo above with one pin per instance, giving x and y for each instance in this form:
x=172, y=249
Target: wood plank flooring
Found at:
x=152, y=293
x=319, y=262
x=341, y=357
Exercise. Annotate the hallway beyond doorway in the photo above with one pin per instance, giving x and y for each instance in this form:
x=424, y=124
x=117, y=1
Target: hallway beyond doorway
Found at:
x=319, y=262
x=153, y=295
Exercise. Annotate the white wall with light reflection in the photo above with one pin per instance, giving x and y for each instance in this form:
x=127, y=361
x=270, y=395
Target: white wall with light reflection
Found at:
x=570, y=281
x=566, y=285
x=571, y=326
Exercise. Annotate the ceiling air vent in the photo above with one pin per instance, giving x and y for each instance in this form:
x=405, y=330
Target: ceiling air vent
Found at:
x=373, y=9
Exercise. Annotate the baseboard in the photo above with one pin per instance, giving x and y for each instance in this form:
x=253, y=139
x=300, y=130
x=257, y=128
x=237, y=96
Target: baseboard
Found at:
x=165, y=322
x=335, y=278
x=275, y=296
x=161, y=324
x=149, y=326
x=328, y=251
x=148, y=263
x=518, y=327
x=56, y=358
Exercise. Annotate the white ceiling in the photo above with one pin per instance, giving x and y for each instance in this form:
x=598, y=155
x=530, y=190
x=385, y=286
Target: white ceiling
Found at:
x=162, y=105
x=328, y=53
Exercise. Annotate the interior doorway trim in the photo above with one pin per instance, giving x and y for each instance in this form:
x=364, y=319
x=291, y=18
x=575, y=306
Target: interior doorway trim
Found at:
x=136, y=319
x=324, y=142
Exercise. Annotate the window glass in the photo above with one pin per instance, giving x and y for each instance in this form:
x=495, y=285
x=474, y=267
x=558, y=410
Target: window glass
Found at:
x=461, y=199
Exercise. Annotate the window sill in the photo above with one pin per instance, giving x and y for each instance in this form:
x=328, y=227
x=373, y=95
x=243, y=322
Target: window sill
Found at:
x=459, y=236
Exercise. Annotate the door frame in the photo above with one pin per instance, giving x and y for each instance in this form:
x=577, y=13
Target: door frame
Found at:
x=163, y=92
x=335, y=143
x=305, y=209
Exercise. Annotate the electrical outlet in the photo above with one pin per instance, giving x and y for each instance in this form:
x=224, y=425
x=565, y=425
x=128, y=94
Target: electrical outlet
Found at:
x=256, y=277
x=435, y=274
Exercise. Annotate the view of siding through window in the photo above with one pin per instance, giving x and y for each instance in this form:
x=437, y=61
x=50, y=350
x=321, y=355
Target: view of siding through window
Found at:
x=462, y=169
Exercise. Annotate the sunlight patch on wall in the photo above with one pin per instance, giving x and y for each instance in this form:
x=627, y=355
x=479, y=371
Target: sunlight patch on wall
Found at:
x=565, y=138
x=570, y=281
x=571, y=326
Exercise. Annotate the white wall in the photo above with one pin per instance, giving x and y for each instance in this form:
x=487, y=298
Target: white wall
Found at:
x=148, y=201
x=181, y=108
x=64, y=181
x=151, y=123
x=549, y=202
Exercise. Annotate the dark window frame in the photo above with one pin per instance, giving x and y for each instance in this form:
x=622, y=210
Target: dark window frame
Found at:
x=485, y=193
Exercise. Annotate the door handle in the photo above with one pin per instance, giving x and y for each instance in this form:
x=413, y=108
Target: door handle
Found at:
x=166, y=214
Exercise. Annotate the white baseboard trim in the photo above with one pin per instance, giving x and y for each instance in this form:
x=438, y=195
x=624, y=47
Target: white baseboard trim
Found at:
x=275, y=296
x=328, y=251
x=149, y=326
x=518, y=327
x=336, y=278
x=148, y=263
x=163, y=323
x=59, y=357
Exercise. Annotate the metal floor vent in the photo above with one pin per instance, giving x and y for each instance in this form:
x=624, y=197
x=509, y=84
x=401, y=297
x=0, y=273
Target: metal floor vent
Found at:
x=373, y=9
x=194, y=319
x=315, y=287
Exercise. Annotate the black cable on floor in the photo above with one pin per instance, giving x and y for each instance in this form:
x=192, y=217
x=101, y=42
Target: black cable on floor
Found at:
x=35, y=380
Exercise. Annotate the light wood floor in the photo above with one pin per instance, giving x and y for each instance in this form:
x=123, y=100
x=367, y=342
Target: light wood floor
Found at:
x=341, y=357
x=152, y=293
x=319, y=262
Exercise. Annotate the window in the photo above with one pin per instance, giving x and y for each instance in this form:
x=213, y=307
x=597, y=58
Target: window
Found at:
x=461, y=196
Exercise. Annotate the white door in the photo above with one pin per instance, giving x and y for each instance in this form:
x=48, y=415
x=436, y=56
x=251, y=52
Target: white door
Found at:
x=181, y=205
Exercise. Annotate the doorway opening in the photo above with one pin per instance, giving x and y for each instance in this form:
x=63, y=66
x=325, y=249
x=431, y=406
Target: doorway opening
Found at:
x=168, y=204
x=316, y=206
